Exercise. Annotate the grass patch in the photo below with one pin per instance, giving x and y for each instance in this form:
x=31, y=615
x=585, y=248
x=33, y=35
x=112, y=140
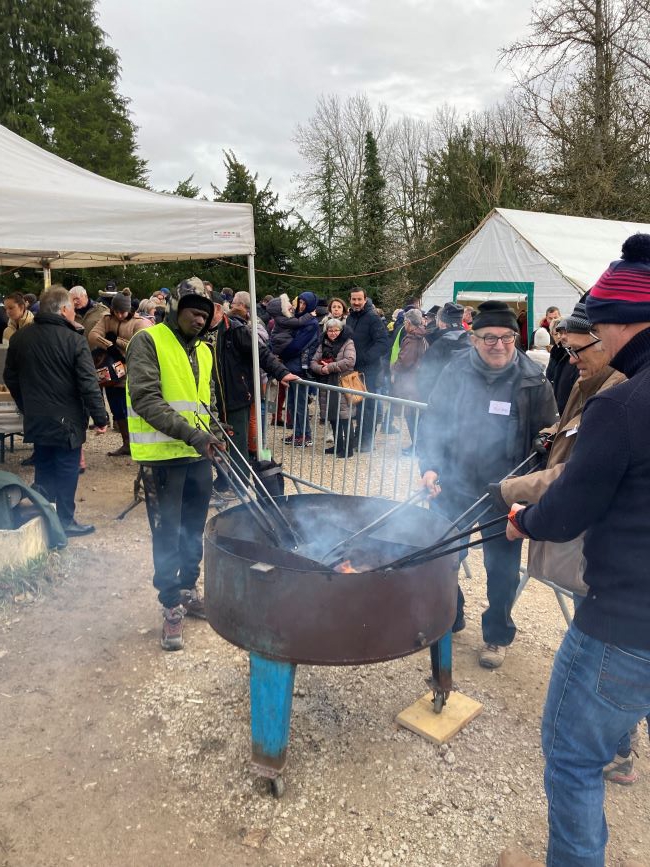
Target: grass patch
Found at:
x=26, y=583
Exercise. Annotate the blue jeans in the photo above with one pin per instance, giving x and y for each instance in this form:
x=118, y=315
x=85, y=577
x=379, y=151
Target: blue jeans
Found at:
x=299, y=410
x=596, y=694
x=502, y=560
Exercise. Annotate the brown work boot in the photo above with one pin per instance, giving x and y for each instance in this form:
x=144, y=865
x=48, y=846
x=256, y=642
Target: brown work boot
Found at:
x=172, y=631
x=516, y=858
x=491, y=656
x=192, y=602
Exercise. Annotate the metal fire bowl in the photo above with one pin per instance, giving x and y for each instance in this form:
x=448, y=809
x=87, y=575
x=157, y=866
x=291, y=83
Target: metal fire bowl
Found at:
x=290, y=608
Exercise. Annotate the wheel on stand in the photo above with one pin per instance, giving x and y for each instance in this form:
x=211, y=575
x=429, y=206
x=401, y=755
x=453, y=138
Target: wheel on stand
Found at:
x=276, y=785
x=438, y=701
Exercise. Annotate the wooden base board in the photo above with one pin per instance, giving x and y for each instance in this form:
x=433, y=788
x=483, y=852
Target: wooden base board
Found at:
x=439, y=727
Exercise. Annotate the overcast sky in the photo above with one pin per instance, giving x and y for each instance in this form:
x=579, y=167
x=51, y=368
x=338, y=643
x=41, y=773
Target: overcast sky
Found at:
x=204, y=76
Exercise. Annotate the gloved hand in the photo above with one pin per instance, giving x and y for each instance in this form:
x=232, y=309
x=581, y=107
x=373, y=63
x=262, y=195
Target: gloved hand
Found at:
x=542, y=443
x=496, y=499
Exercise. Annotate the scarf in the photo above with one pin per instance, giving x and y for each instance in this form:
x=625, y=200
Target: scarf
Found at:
x=491, y=374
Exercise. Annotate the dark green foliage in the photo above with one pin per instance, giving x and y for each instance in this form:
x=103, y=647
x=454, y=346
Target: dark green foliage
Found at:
x=477, y=170
x=372, y=255
x=58, y=86
x=279, y=243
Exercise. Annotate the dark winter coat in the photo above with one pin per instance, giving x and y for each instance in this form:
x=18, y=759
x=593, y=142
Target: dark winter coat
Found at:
x=370, y=336
x=561, y=374
x=285, y=323
x=232, y=347
x=51, y=376
x=603, y=490
x=469, y=445
x=449, y=342
x=298, y=354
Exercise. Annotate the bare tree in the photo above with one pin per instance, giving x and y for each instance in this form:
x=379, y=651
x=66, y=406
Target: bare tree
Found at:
x=583, y=76
x=332, y=145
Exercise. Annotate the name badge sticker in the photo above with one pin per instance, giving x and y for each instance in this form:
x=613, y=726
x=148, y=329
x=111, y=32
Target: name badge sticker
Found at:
x=572, y=432
x=499, y=407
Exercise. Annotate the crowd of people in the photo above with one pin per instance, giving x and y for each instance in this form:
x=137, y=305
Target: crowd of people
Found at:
x=176, y=371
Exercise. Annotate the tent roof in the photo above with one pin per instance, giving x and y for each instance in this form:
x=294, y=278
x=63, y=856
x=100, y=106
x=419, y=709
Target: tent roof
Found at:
x=579, y=247
x=53, y=212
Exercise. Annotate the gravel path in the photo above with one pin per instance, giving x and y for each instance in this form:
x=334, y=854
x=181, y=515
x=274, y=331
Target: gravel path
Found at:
x=116, y=753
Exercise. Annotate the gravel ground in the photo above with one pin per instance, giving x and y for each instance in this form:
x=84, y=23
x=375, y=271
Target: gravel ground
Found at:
x=165, y=757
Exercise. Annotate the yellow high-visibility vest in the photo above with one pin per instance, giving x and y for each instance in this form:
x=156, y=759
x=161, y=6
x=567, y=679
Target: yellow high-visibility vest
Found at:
x=179, y=390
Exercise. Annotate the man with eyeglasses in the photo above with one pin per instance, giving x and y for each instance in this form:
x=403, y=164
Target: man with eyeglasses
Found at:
x=484, y=412
x=600, y=685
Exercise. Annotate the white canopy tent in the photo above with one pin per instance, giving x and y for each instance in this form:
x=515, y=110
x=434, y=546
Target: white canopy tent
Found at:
x=531, y=260
x=54, y=214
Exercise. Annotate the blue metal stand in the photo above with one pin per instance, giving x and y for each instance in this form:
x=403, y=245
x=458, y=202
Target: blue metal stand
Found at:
x=271, y=691
x=441, y=671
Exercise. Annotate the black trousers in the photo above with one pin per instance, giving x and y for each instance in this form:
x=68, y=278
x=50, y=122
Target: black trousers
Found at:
x=57, y=474
x=372, y=410
x=177, y=498
x=239, y=420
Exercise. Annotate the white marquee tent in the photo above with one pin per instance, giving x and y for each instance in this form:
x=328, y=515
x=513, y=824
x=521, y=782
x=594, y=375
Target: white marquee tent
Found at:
x=532, y=260
x=54, y=214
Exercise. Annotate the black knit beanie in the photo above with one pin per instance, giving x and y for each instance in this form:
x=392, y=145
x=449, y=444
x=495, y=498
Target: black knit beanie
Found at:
x=495, y=314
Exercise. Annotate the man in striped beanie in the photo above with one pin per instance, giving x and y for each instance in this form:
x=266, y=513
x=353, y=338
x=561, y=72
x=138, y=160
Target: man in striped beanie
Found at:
x=600, y=685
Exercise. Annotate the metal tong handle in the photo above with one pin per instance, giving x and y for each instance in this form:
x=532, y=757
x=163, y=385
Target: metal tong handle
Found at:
x=440, y=548
x=534, y=455
x=242, y=492
x=420, y=494
x=296, y=540
x=409, y=558
x=437, y=554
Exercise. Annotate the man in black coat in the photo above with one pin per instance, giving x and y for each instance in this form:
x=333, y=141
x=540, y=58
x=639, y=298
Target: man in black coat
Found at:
x=232, y=346
x=600, y=684
x=51, y=376
x=371, y=344
x=450, y=340
x=485, y=410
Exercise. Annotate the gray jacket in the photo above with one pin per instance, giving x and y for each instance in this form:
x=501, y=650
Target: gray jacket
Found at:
x=474, y=432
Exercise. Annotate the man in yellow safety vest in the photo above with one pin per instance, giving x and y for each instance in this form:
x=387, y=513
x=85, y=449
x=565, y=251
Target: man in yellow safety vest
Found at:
x=170, y=379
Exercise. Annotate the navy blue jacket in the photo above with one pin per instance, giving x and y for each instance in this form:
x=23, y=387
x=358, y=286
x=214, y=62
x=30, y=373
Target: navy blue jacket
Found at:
x=298, y=354
x=605, y=490
x=371, y=340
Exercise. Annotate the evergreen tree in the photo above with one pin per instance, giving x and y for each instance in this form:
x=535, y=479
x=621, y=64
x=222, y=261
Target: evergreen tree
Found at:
x=484, y=164
x=278, y=244
x=58, y=86
x=372, y=213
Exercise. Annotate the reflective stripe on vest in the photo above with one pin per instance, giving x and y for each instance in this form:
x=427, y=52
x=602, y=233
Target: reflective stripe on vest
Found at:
x=394, y=352
x=179, y=390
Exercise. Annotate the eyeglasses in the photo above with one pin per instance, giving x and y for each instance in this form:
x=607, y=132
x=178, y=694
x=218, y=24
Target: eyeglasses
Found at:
x=492, y=339
x=575, y=353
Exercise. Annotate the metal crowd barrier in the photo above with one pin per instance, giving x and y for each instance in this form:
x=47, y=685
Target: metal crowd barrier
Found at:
x=388, y=465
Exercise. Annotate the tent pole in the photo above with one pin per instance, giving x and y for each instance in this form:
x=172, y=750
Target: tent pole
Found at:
x=257, y=386
x=47, y=276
